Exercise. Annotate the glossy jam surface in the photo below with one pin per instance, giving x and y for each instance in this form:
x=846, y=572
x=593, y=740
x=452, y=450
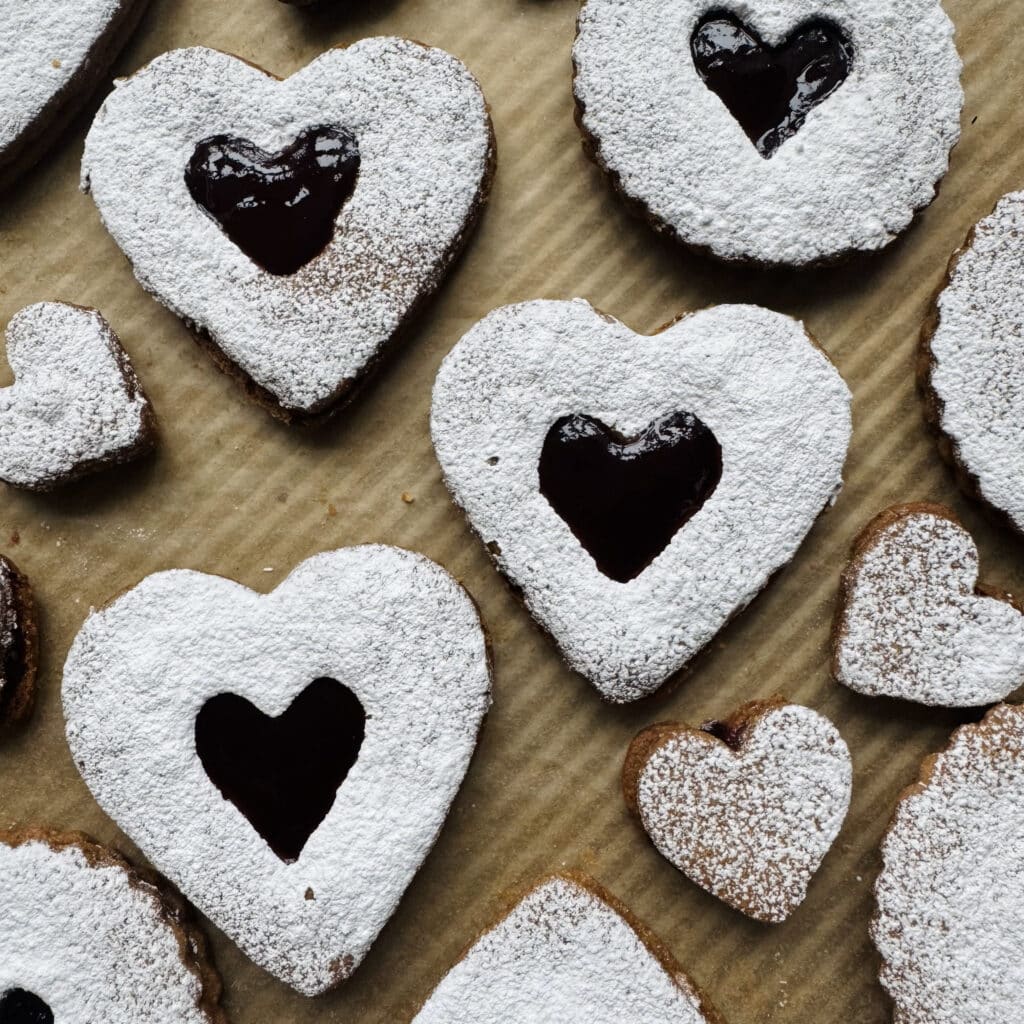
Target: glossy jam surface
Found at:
x=20, y=1007
x=278, y=208
x=282, y=773
x=770, y=90
x=625, y=498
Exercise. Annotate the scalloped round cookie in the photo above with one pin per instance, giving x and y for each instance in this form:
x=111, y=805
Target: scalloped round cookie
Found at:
x=949, y=923
x=772, y=131
x=972, y=361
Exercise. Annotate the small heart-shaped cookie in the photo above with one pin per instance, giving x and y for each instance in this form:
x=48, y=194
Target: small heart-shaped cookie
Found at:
x=88, y=938
x=296, y=225
x=912, y=621
x=52, y=57
x=972, y=361
x=639, y=491
x=191, y=706
x=19, y=645
x=746, y=808
x=950, y=919
x=570, y=953
x=76, y=405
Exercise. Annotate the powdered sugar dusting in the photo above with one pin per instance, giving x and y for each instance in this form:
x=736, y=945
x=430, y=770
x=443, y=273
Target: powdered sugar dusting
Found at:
x=425, y=150
x=89, y=941
x=775, y=403
x=75, y=401
x=750, y=825
x=852, y=177
x=950, y=920
x=562, y=956
x=977, y=353
x=395, y=629
x=912, y=624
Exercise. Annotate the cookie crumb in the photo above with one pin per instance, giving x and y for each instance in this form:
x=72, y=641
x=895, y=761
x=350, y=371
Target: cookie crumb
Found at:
x=407, y=498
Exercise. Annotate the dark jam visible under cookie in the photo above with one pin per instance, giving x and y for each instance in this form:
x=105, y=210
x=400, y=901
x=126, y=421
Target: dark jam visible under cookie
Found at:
x=625, y=498
x=20, y=1007
x=282, y=773
x=770, y=90
x=730, y=735
x=278, y=208
x=13, y=654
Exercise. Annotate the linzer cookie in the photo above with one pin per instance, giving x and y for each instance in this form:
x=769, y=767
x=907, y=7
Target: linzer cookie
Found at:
x=772, y=131
x=571, y=953
x=950, y=919
x=746, y=808
x=52, y=57
x=912, y=621
x=86, y=937
x=286, y=759
x=19, y=645
x=639, y=491
x=76, y=405
x=972, y=361
x=296, y=225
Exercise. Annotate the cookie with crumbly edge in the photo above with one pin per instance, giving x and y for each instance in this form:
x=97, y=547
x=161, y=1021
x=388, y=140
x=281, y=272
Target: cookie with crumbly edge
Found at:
x=566, y=950
x=93, y=936
x=19, y=646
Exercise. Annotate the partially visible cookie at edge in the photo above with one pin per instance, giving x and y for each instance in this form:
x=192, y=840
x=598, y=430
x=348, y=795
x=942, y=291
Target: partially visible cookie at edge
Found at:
x=19, y=646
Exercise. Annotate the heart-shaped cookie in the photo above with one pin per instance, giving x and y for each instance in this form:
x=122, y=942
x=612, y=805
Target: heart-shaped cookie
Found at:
x=746, y=808
x=950, y=919
x=632, y=587
x=76, y=405
x=972, y=361
x=912, y=621
x=88, y=938
x=144, y=698
x=567, y=952
x=772, y=131
x=52, y=57
x=296, y=225
x=19, y=646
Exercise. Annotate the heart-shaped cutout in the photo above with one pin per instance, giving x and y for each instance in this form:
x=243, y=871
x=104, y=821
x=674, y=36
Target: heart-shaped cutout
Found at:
x=770, y=90
x=20, y=1007
x=297, y=293
x=746, y=808
x=282, y=773
x=278, y=208
x=912, y=621
x=768, y=399
x=407, y=641
x=569, y=952
x=75, y=406
x=625, y=498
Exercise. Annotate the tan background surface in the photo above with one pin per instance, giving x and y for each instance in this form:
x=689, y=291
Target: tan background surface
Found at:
x=232, y=492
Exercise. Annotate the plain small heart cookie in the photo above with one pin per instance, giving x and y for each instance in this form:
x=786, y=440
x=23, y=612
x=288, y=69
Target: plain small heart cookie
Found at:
x=950, y=918
x=76, y=405
x=773, y=131
x=53, y=56
x=567, y=953
x=87, y=937
x=746, y=808
x=972, y=361
x=639, y=491
x=912, y=621
x=19, y=645
x=286, y=759
x=295, y=225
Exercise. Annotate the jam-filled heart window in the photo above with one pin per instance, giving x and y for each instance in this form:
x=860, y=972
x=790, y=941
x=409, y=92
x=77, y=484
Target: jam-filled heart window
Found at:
x=278, y=208
x=770, y=90
x=18, y=1006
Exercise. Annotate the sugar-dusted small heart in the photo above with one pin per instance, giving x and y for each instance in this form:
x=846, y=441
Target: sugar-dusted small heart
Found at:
x=287, y=759
x=567, y=953
x=912, y=621
x=949, y=924
x=746, y=808
x=296, y=225
x=638, y=491
x=76, y=405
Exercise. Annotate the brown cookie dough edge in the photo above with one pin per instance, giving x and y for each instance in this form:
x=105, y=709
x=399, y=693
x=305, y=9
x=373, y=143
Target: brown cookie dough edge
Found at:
x=168, y=904
x=17, y=698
